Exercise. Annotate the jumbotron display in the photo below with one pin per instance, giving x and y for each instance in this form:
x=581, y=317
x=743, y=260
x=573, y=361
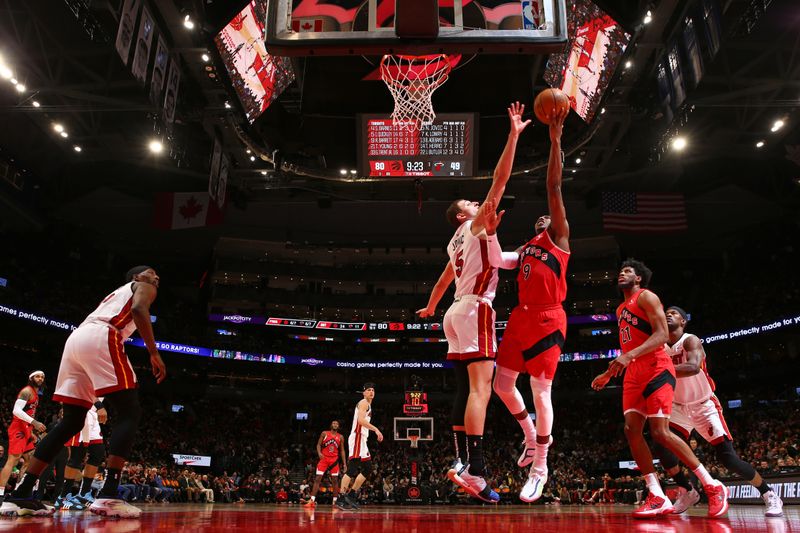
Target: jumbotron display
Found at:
x=444, y=148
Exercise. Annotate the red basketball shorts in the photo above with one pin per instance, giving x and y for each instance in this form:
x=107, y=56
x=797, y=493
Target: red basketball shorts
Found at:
x=533, y=341
x=20, y=438
x=649, y=386
x=328, y=465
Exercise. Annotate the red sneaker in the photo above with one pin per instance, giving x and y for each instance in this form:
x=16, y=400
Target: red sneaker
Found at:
x=310, y=503
x=717, y=499
x=653, y=506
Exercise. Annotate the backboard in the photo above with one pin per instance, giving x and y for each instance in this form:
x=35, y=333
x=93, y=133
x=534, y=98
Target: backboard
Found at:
x=367, y=27
x=405, y=427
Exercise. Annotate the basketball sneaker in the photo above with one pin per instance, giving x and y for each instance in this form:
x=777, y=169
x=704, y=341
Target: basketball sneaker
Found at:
x=774, y=504
x=353, y=502
x=342, y=504
x=454, y=474
x=72, y=503
x=686, y=499
x=87, y=498
x=478, y=487
x=527, y=455
x=653, y=506
x=25, y=507
x=533, y=488
x=114, y=508
x=717, y=499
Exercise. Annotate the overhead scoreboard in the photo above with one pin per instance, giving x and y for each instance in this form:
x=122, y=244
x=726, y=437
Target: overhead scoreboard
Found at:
x=444, y=148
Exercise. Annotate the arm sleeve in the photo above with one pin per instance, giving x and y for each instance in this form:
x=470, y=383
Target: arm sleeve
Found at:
x=510, y=260
x=19, y=411
x=493, y=248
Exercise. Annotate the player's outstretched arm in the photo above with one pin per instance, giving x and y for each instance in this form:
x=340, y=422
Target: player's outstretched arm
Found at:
x=143, y=296
x=503, y=169
x=694, y=357
x=447, y=277
x=651, y=305
x=555, y=202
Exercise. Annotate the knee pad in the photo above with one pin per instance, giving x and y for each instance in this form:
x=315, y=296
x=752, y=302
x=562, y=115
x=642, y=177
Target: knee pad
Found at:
x=76, y=457
x=97, y=452
x=505, y=385
x=731, y=460
x=353, y=467
x=128, y=412
x=462, y=394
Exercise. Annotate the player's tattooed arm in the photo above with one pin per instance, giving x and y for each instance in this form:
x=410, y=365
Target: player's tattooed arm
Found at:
x=694, y=357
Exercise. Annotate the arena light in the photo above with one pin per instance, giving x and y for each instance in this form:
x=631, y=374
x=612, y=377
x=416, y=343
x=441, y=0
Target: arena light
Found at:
x=155, y=146
x=679, y=144
x=77, y=148
x=759, y=144
x=188, y=23
x=264, y=173
x=20, y=88
x=252, y=158
x=205, y=58
x=58, y=127
x=35, y=103
x=353, y=172
x=777, y=125
x=578, y=160
x=227, y=105
x=648, y=18
x=603, y=111
x=628, y=64
x=5, y=72
x=343, y=172
x=64, y=134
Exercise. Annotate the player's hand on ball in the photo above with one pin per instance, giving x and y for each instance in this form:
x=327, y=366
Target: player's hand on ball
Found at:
x=159, y=368
x=557, y=124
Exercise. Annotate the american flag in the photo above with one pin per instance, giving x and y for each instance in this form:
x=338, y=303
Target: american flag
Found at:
x=637, y=212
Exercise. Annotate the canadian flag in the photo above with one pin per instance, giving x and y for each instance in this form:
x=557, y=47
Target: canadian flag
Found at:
x=306, y=24
x=182, y=210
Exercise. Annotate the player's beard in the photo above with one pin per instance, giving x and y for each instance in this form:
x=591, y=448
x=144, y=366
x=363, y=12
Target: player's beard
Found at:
x=625, y=285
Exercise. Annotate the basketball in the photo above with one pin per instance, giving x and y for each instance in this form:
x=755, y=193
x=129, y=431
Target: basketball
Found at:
x=549, y=102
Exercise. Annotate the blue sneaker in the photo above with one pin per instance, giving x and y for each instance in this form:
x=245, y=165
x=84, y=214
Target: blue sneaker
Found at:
x=87, y=498
x=72, y=503
x=58, y=503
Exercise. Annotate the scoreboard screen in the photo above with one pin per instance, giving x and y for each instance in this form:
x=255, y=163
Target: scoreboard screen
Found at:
x=444, y=148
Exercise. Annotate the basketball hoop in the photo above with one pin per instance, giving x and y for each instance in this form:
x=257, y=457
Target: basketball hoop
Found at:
x=412, y=81
x=414, y=440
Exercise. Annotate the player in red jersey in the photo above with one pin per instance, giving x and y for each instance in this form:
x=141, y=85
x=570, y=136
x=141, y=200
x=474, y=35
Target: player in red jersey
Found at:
x=332, y=459
x=475, y=256
x=20, y=434
x=94, y=364
x=537, y=327
x=695, y=407
x=648, y=389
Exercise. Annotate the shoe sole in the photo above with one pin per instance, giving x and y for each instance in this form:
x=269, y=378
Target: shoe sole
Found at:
x=653, y=515
x=724, y=507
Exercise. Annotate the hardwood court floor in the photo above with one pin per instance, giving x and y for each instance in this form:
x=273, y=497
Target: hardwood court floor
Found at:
x=408, y=519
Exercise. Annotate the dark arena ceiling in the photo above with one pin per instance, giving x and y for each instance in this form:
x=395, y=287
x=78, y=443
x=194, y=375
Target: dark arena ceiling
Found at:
x=285, y=182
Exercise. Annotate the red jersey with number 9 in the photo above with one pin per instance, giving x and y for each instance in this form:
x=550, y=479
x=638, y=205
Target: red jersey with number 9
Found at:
x=330, y=444
x=634, y=328
x=542, y=276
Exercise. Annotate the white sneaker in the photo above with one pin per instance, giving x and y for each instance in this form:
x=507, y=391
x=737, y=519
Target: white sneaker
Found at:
x=686, y=499
x=112, y=507
x=774, y=504
x=528, y=454
x=478, y=487
x=532, y=490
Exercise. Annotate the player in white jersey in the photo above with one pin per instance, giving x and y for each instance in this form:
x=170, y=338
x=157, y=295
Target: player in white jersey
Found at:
x=94, y=364
x=695, y=407
x=475, y=255
x=77, y=490
x=359, y=453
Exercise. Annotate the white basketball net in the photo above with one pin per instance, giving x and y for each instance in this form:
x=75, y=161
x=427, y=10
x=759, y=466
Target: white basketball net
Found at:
x=412, y=81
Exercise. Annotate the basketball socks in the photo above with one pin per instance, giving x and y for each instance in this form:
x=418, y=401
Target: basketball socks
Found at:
x=703, y=475
x=682, y=481
x=527, y=426
x=654, y=486
x=25, y=487
x=540, y=455
x=763, y=488
x=475, y=455
x=111, y=484
x=86, y=485
x=460, y=442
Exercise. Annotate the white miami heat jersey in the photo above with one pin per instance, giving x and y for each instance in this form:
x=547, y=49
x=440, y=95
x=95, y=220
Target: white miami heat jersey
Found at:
x=469, y=256
x=689, y=389
x=115, y=310
x=358, y=429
